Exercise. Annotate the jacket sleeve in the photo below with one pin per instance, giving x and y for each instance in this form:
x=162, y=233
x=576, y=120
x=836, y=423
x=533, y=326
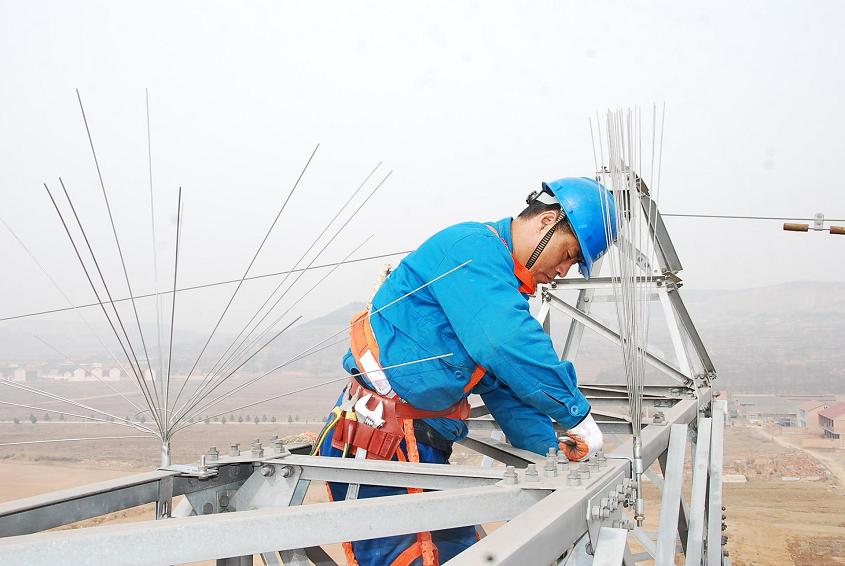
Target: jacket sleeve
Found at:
x=491, y=319
x=524, y=425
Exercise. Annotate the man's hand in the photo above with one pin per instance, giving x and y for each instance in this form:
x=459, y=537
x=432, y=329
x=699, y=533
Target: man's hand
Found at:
x=584, y=440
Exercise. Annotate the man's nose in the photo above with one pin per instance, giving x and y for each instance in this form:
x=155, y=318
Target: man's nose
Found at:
x=563, y=268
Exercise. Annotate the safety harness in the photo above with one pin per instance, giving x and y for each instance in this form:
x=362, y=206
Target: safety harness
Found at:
x=383, y=442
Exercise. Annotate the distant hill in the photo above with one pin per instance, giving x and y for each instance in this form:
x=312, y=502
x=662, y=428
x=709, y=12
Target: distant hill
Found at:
x=783, y=338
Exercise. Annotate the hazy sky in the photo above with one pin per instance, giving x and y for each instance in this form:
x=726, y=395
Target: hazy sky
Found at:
x=471, y=104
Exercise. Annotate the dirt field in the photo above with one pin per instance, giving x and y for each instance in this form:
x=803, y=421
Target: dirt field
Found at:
x=771, y=521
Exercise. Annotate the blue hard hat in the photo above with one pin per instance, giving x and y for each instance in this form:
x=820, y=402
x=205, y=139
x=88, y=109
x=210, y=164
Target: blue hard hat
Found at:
x=590, y=211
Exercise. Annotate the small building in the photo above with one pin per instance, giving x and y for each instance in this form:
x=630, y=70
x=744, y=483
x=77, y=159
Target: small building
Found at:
x=808, y=414
x=767, y=408
x=832, y=421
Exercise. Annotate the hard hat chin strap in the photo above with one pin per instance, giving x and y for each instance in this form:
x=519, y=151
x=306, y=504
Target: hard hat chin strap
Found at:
x=544, y=241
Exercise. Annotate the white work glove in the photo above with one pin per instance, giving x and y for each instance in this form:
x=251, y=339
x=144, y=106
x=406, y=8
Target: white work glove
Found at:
x=583, y=440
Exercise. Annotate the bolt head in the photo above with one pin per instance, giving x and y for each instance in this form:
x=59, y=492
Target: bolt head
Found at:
x=267, y=470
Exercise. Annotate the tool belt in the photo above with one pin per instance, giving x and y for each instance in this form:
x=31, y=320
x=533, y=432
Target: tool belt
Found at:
x=382, y=442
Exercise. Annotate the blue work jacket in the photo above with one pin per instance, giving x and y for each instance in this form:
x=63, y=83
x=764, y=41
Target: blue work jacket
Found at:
x=477, y=315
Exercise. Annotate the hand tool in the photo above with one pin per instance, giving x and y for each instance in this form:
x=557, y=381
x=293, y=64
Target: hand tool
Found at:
x=372, y=418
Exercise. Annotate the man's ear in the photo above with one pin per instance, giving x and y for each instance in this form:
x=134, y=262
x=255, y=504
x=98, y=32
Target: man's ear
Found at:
x=547, y=218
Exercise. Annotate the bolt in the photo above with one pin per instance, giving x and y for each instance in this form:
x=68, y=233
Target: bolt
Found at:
x=286, y=471
x=724, y=540
x=584, y=471
x=510, y=477
x=593, y=465
x=267, y=470
x=552, y=452
x=531, y=473
x=208, y=508
x=224, y=500
x=595, y=512
x=256, y=449
x=279, y=447
x=562, y=460
x=574, y=478
x=659, y=418
x=234, y=449
x=550, y=468
x=601, y=459
x=725, y=552
x=203, y=468
x=614, y=500
x=213, y=455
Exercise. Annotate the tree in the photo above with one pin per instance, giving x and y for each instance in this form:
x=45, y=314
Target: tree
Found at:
x=61, y=416
x=290, y=418
x=33, y=419
x=47, y=417
x=256, y=420
x=240, y=418
x=17, y=420
x=263, y=418
x=206, y=420
x=223, y=419
x=273, y=419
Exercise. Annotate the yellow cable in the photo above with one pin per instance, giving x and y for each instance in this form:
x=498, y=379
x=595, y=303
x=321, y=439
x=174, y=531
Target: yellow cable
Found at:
x=315, y=451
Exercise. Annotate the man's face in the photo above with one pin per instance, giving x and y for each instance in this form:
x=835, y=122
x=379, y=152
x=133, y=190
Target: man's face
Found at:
x=561, y=253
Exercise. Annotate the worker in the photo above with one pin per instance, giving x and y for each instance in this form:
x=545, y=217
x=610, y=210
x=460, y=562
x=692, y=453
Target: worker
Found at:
x=478, y=316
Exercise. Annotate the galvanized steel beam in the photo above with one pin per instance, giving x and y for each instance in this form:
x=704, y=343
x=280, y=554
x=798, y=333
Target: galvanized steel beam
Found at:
x=673, y=482
x=192, y=539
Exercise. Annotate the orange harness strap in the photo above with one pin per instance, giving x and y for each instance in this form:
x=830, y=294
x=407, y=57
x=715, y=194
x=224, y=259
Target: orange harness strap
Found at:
x=522, y=273
x=424, y=546
x=364, y=346
x=347, y=546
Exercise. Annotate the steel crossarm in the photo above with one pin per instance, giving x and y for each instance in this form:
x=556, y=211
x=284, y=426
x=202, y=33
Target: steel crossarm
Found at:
x=501, y=451
x=541, y=534
x=244, y=533
x=42, y=512
x=393, y=474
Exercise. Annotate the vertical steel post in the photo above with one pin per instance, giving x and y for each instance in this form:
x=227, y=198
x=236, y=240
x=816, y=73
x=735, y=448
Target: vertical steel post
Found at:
x=714, y=507
x=695, y=537
x=673, y=482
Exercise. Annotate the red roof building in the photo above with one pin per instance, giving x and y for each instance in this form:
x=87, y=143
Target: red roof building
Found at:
x=832, y=421
x=808, y=414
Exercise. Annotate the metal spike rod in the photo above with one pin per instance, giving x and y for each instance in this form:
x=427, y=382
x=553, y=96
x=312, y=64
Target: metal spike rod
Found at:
x=334, y=380
x=246, y=272
x=310, y=349
x=114, y=232
x=283, y=281
x=136, y=367
x=119, y=423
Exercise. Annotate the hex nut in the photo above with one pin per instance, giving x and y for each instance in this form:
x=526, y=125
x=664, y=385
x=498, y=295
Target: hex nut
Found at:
x=267, y=470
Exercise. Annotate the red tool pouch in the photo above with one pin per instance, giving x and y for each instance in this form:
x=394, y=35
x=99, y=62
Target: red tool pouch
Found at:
x=339, y=433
